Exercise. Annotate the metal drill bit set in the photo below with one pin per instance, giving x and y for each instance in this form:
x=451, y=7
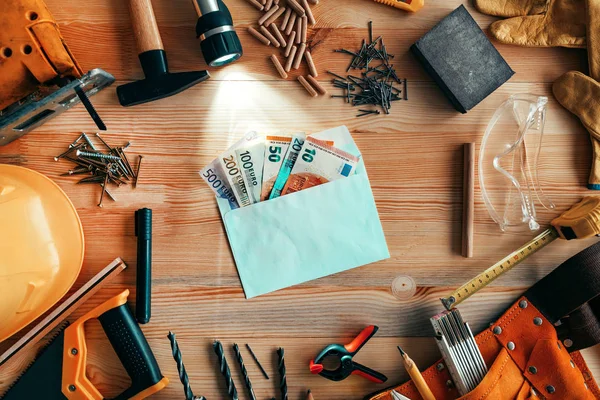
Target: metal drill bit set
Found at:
x=375, y=85
x=226, y=372
x=102, y=167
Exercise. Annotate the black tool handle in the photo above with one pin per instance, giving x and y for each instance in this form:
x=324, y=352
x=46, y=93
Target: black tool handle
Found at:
x=143, y=297
x=132, y=348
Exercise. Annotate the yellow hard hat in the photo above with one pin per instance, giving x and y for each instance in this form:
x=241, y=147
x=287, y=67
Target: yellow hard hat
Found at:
x=41, y=246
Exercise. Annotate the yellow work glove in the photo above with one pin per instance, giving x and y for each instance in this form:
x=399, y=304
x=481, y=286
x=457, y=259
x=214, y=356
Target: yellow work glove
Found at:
x=537, y=23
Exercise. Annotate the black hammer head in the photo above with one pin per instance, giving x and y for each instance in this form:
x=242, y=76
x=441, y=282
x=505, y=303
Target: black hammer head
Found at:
x=159, y=83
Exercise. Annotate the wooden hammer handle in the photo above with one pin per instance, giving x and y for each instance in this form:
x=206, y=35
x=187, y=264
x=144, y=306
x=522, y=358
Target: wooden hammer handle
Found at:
x=145, y=28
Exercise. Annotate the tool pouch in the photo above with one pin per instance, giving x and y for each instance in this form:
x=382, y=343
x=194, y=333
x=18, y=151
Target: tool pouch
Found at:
x=32, y=50
x=532, y=350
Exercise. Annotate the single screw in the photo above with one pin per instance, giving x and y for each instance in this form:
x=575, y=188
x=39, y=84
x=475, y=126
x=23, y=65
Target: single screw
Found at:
x=68, y=151
x=109, y=194
x=103, y=142
x=76, y=141
x=103, y=191
x=98, y=156
x=88, y=141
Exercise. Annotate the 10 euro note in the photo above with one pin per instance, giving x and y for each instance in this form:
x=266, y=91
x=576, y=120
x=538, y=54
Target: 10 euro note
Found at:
x=288, y=163
x=214, y=176
x=251, y=159
x=319, y=163
x=275, y=149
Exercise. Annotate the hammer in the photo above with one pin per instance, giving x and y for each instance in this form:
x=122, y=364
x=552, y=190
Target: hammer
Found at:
x=158, y=82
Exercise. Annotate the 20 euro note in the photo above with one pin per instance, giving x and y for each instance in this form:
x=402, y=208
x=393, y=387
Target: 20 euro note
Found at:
x=288, y=163
x=275, y=149
x=319, y=163
x=251, y=159
x=214, y=176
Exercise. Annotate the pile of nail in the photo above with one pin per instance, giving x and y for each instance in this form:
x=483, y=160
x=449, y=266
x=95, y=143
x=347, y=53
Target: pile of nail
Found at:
x=109, y=167
x=375, y=85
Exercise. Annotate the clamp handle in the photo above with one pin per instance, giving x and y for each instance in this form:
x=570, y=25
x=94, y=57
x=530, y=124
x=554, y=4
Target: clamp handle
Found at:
x=354, y=346
x=368, y=373
x=129, y=343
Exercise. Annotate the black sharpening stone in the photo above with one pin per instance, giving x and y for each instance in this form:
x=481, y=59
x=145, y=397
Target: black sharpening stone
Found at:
x=462, y=60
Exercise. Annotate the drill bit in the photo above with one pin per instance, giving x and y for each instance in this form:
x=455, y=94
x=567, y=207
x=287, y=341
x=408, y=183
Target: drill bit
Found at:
x=225, y=370
x=238, y=355
x=257, y=362
x=282, y=374
x=183, y=377
x=89, y=107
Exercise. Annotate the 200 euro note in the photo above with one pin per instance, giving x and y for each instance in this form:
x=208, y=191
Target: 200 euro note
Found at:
x=251, y=159
x=288, y=163
x=222, y=177
x=319, y=163
x=275, y=149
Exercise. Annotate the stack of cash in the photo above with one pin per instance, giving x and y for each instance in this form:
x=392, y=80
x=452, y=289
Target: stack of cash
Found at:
x=259, y=168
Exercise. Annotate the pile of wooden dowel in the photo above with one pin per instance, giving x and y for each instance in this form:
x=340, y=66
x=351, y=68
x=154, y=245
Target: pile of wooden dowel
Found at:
x=289, y=36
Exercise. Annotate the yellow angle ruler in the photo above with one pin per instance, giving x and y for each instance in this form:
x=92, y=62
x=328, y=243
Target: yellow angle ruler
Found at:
x=580, y=222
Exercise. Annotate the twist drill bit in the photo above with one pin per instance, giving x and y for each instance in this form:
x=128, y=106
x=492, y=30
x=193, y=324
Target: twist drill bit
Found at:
x=238, y=355
x=183, y=376
x=225, y=370
x=257, y=362
x=282, y=374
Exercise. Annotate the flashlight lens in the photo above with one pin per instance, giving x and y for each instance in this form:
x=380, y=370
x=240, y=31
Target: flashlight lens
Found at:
x=226, y=59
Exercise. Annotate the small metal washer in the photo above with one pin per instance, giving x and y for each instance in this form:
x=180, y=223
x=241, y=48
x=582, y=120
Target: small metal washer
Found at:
x=497, y=330
x=510, y=345
x=568, y=343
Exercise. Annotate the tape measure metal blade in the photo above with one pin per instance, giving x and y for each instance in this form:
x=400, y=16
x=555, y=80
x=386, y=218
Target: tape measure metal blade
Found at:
x=500, y=268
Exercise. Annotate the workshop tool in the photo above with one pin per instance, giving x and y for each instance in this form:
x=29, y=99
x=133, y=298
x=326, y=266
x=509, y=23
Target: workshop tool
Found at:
x=219, y=42
x=224, y=368
x=244, y=371
x=104, y=168
x=183, y=376
x=42, y=246
x=416, y=376
x=59, y=372
x=345, y=353
x=60, y=313
x=508, y=171
x=158, y=82
x=581, y=221
x=39, y=77
x=468, y=199
x=375, y=83
x=143, y=283
x=406, y=5
x=398, y=396
x=282, y=373
x=309, y=395
x=257, y=362
x=461, y=353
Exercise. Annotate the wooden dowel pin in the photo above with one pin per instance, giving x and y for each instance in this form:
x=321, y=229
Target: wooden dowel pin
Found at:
x=299, y=55
x=286, y=18
x=309, y=14
x=274, y=17
x=278, y=35
x=291, y=24
x=268, y=15
x=290, y=44
x=290, y=60
x=268, y=5
x=313, y=81
x=311, y=64
x=468, y=200
x=304, y=28
x=298, y=30
x=269, y=36
x=278, y=66
x=307, y=86
x=256, y=4
x=259, y=36
x=296, y=7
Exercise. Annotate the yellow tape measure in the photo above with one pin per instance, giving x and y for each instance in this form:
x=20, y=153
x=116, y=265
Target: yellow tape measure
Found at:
x=580, y=222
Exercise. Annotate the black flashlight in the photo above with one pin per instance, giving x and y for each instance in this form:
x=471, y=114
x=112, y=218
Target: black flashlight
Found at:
x=219, y=42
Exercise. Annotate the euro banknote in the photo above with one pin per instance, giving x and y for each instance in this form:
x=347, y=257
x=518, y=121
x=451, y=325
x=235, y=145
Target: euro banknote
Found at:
x=319, y=163
x=288, y=163
x=251, y=159
x=214, y=176
x=275, y=149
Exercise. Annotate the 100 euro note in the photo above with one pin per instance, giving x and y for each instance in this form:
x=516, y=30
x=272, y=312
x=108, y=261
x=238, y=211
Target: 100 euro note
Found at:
x=251, y=159
x=288, y=163
x=319, y=163
x=275, y=149
x=222, y=180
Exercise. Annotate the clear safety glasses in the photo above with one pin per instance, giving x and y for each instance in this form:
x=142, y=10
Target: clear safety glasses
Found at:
x=508, y=176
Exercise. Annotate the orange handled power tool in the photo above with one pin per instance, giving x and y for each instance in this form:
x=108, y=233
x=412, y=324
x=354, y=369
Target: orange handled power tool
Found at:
x=59, y=371
x=345, y=353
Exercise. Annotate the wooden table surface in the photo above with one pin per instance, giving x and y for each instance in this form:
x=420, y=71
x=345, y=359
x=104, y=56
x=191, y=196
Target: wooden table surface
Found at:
x=414, y=160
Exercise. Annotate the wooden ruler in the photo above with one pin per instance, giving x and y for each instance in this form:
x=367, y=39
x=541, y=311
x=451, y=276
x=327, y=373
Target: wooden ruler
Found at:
x=500, y=268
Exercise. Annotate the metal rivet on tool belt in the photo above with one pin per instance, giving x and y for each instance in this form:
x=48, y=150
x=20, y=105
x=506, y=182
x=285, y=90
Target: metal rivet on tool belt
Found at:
x=497, y=330
x=537, y=321
x=449, y=383
x=72, y=388
x=572, y=364
x=533, y=370
x=74, y=352
x=510, y=345
x=523, y=304
x=440, y=366
x=550, y=389
x=559, y=346
x=568, y=343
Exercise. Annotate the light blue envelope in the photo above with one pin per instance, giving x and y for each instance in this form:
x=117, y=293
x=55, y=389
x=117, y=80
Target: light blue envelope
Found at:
x=309, y=234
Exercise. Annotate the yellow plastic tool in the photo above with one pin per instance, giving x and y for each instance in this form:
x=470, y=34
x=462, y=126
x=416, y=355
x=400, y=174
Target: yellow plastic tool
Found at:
x=41, y=246
x=406, y=5
x=581, y=221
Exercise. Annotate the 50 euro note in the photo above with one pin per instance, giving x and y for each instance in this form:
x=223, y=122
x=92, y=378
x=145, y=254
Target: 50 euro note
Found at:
x=224, y=177
x=251, y=159
x=318, y=163
x=275, y=149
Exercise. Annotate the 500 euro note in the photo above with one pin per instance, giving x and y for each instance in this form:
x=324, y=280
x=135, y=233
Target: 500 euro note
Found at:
x=319, y=163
